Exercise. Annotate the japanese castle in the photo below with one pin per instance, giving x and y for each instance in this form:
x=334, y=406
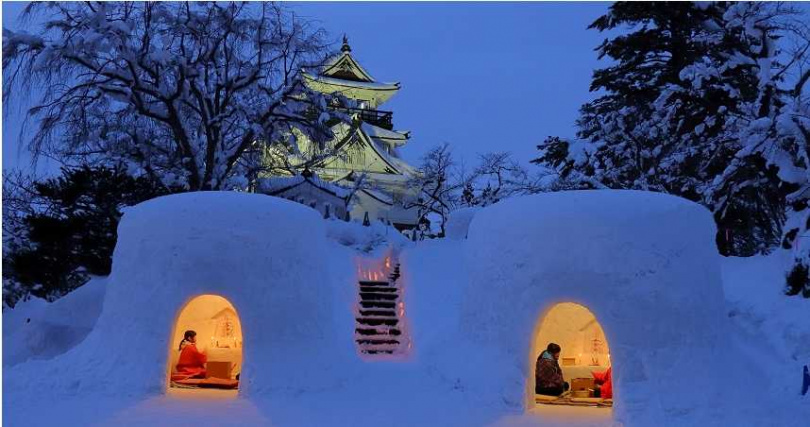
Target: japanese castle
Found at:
x=366, y=147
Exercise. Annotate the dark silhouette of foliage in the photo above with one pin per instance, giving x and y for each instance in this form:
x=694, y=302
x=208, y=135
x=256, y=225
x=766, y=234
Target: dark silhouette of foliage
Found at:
x=798, y=280
x=72, y=235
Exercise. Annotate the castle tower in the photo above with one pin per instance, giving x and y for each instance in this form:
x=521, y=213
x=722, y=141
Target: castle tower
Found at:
x=369, y=145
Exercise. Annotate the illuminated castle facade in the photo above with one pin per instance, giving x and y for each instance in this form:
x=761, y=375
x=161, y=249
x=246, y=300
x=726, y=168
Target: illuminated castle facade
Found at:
x=367, y=146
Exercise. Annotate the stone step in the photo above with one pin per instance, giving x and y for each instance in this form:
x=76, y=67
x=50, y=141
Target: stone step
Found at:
x=377, y=296
x=377, y=341
x=381, y=313
x=377, y=304
x=372, y=321
x=374, y=283
x=384, y=289
x=377, y=351
x=377, y=331
x=393, y=347
x=380, y=332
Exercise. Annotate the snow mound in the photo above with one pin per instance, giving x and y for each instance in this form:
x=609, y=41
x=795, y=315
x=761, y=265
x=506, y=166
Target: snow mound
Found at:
x=458, y=224
x=38, y=329
x=261, y=253
x=371, y=239
x=644, y=263
x=769, y=322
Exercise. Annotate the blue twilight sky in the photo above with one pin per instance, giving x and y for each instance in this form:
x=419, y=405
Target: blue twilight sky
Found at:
x=480, y=76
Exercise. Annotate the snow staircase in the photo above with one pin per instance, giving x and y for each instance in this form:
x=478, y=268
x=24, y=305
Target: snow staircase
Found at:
x=379, y=324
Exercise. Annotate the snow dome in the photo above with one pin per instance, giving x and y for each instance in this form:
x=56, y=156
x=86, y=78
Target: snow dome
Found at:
x=228, y=264
x=644, y=264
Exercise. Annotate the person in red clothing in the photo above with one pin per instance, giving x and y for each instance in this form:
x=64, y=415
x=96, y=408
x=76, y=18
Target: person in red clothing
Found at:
x=192, y=362
x=605, y=382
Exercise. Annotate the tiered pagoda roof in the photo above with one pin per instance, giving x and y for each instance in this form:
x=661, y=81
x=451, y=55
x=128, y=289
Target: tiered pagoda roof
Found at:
x=342, y=73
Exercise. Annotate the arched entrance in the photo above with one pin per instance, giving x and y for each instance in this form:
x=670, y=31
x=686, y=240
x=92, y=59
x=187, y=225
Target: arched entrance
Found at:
x=584, y=359
x=219, y=337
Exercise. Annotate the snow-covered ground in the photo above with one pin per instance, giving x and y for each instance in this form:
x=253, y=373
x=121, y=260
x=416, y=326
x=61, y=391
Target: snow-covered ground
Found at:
x=223, y=408
x=769, y=331
x=773, y=329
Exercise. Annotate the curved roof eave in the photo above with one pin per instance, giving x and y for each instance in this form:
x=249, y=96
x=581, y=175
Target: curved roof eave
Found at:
x=367, y=139
x=330, y=81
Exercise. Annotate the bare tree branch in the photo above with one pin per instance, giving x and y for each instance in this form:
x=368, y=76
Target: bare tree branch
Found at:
x=184, y=90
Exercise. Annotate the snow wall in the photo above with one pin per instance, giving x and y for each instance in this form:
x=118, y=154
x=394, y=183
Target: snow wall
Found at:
x=645, y=264
x=265, y=255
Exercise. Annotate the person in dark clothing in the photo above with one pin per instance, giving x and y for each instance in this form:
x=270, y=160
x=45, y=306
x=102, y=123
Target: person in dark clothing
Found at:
x=548, y=374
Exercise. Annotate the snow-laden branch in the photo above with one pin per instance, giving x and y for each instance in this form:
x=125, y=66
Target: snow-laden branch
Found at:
x=178, y=89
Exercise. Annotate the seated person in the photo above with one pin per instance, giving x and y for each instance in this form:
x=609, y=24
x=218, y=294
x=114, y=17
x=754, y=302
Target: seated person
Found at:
x=548, y=374
x=604, y=382
x=192, y=362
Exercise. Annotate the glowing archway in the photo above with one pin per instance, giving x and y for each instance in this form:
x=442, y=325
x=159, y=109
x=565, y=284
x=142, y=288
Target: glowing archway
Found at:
x=576, y=330
x=219, y=335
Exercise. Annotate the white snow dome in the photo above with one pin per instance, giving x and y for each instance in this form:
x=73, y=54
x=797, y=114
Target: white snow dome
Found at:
x=255, y=256
x=645, y=266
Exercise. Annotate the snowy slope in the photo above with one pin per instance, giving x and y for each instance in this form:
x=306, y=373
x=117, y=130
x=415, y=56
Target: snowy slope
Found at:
x=772, y=328
x=37, y=329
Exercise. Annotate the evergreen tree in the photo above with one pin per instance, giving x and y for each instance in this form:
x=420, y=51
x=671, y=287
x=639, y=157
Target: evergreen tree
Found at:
x=669, y=119
x=72, y=234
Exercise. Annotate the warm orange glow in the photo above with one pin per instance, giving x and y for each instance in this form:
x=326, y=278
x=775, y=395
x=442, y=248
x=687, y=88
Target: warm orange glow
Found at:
x=381, y=331
x=577, y=331
x=218, y=328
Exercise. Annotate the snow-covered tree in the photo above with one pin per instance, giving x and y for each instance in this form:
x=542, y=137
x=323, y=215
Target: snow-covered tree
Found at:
x=19, y=202
x=66, y=229
x=178, y=90
x=567, y=164
x=775, y=125
x=707, y=101
x=435, y=188
x=639, y=143
x=498, y=176
x=682, y=81
x=444, y=185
